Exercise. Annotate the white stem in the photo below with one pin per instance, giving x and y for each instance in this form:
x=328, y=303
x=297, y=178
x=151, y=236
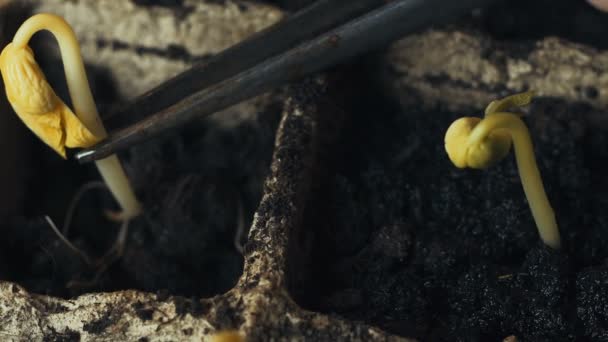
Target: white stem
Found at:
x=84, y=106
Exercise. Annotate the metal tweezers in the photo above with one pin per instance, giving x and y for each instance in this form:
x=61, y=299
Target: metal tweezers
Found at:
x=316, y=37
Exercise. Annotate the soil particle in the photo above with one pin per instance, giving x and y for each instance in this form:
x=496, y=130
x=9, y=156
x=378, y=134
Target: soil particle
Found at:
x=143, y=311
x=530, y=301
x=592, y=302
x=100, y=325
x=540, y=295
x=64, y=336
x=192, y=306
x=290, y=5
x=164, y=3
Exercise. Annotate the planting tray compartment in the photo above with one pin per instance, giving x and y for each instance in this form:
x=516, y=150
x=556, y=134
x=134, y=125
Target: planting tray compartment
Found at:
x=407, y=242
x=359, y=228
x=259, y=305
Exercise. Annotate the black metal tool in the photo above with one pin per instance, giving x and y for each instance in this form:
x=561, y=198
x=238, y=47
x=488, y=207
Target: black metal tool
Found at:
x=306, y=24
x=335, y=40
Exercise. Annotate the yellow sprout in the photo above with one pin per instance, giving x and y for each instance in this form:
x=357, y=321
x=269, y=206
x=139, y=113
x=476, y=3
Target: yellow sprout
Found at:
x=227, y=336
x=479, y=143
x=46, y=114
x=36, y=104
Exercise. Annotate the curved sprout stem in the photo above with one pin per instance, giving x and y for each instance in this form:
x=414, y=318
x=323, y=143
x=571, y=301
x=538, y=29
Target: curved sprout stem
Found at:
x=82, y=99
x=528, y=171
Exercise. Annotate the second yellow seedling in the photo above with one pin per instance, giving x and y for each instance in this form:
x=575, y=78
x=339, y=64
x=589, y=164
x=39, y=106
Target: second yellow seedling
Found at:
x=479, y=143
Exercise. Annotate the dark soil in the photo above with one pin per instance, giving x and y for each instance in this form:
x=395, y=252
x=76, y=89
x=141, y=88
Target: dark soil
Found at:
x=199, y=186
x=406, y=241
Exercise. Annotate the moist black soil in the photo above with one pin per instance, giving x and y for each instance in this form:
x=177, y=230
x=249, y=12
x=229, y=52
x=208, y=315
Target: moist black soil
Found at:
x=199, y=186
x=406, y=241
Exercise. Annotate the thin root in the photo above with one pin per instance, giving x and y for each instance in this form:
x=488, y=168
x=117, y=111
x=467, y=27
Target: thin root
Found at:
x=67, y=242
x=240, y=228
x=111, y=256
x=103, y=263
x=69, y=215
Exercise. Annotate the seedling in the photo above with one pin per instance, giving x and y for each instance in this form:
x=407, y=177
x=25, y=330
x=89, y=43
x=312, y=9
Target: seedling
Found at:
x=48, y=116
x=480, y=143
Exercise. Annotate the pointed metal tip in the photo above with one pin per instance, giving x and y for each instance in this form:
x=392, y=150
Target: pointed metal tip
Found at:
x=85, y=156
